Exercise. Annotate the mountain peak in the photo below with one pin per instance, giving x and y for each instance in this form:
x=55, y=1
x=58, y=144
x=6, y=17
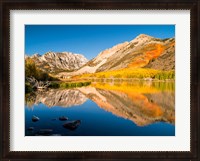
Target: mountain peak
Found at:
x=35, y=55
x=141, y=36
x=138, y=53
x=59, y=61
x=141, y=39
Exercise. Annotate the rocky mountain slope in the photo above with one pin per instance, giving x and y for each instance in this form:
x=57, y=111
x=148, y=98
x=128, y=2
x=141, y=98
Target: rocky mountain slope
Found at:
x=57, y=62
x=137, y=53
x=142, y=52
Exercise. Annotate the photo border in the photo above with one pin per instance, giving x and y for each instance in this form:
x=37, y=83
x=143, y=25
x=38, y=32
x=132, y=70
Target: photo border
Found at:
x=5, y=7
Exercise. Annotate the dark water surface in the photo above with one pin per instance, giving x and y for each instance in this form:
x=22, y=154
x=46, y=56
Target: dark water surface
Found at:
x=104, y=109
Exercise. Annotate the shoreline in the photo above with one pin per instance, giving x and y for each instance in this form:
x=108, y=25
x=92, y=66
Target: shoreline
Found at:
x=94, y=79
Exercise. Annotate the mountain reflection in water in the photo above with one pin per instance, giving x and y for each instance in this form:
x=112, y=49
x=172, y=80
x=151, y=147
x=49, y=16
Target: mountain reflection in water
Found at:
x=142, y=103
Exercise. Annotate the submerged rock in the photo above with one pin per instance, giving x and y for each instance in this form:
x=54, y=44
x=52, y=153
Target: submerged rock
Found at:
x=63, y=118
x=56, y=135
x=72, y=125
x=44, y=132
x=35, y=118
x=30, y=129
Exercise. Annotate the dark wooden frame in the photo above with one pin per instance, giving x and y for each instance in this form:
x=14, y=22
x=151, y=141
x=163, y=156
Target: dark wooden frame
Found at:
x=192, y=5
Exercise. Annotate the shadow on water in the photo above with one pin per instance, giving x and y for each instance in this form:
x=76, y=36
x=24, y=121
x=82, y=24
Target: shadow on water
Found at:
x=103, y=109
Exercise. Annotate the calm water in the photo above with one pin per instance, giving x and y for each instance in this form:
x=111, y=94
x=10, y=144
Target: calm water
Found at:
x=104, y=109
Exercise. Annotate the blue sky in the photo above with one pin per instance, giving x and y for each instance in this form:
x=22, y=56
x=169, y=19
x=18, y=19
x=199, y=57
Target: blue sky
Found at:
x=88, y=40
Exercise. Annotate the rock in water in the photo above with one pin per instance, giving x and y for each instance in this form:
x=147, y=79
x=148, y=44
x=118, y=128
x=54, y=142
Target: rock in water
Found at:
x=35, y=118
x=72, y=125
x=63, y=118
x=56, y=135
x=30, y=129
x=44, y=132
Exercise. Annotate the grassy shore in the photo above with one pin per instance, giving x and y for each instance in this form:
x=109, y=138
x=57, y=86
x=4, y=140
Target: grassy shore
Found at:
x=130, y=73
x=69, y=84
x=59, y=84
x=122, y=75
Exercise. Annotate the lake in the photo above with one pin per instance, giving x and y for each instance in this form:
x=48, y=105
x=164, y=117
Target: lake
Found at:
x=138, y=108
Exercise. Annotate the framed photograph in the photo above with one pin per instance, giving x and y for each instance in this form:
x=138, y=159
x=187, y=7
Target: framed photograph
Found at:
x=90, y=80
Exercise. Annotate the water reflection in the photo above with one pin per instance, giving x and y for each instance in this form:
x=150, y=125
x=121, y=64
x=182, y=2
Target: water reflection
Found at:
x=56, y=97
x=142, y=103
